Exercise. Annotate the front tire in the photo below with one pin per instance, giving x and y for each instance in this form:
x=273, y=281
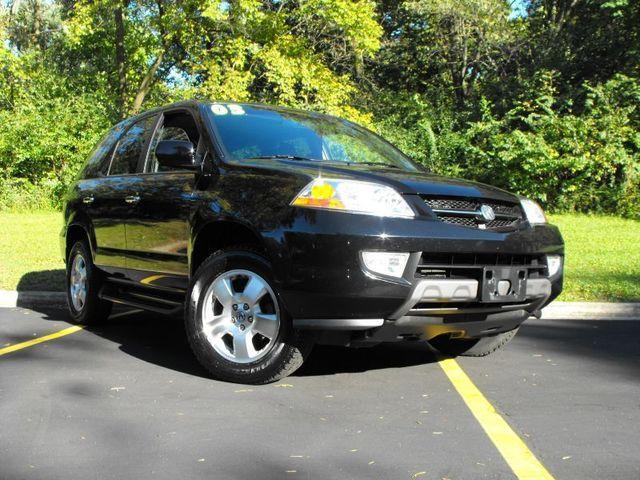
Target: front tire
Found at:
x=236, y=323
x=83, y=285
x=472, y=348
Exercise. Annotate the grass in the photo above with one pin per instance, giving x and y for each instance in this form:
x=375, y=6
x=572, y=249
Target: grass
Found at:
x=30, y=257
x=602, y=258
x=602, y=263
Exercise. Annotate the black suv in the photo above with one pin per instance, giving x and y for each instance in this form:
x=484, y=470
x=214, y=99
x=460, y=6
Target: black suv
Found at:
x=272, y=229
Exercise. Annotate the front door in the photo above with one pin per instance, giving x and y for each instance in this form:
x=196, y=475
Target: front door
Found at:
x=158, y=231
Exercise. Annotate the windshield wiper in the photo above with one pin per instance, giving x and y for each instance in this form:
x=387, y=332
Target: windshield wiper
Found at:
x=308, y=159
x=286, y=157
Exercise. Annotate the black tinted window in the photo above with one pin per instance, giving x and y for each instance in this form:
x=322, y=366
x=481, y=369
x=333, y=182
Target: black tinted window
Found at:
x=129, y=148
x=98, y=163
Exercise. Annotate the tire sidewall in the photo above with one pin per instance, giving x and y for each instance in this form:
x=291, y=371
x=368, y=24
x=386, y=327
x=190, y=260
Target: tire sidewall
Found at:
x=251, y=372
x=91, y=303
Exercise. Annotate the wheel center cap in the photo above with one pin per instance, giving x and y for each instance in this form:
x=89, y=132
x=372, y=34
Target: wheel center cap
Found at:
x=241, y=316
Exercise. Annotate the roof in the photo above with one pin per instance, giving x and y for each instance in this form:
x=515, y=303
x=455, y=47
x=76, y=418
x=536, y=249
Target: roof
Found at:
x=194, y=103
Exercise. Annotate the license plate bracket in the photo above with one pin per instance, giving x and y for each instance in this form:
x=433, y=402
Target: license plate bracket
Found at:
x=504, y=284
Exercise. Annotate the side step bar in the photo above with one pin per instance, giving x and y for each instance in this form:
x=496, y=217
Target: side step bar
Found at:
x=145, y=300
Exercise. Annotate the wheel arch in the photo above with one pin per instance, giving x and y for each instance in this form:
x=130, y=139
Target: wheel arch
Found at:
x=219, y=234
x=78, y=230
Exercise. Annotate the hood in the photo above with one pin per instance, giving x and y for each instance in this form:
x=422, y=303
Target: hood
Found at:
x=405, y=182
x=425, y=183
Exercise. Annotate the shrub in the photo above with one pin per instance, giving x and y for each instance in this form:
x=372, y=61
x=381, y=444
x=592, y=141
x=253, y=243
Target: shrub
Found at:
x=586, y=159
x=588, y=162
x=47, y=133
x=18, y=194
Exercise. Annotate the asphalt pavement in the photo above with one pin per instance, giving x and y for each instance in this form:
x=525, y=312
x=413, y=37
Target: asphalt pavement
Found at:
x=127, y=400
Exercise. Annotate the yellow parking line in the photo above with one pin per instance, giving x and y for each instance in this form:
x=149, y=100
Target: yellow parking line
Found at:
x=36, y=341
x=521, y=460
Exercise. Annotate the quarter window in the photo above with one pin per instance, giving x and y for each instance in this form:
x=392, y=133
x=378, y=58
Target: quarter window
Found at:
x=98, y=162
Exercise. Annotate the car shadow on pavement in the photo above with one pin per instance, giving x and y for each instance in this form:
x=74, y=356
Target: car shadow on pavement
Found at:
x=327, y=360
x=162, y=341
x=153, y=338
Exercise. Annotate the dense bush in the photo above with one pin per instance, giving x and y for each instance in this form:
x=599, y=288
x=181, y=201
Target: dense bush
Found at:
x=587, y=162
x=47, y=132
x=42, y=147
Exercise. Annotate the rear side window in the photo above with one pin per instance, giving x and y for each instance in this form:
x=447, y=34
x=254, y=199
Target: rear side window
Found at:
x=130, y=147
x=98, y=162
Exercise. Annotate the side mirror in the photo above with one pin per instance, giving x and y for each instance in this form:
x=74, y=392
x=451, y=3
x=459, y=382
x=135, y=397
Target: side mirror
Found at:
x=176, y=154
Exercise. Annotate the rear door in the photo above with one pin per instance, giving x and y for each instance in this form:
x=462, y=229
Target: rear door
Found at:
x=115, y=195
x=158, y=232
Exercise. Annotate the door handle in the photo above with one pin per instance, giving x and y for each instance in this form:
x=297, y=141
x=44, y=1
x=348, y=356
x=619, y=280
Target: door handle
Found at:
x=132, y=198
x=88, y=200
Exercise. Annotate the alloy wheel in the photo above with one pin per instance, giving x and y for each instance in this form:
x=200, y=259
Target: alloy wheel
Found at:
x=240, y=316
x=78, y=282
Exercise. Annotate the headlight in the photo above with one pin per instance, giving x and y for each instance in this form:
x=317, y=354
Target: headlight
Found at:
x=353, y=196
x=533, y=211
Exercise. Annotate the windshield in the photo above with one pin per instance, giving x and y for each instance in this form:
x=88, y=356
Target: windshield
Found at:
x=252, y=131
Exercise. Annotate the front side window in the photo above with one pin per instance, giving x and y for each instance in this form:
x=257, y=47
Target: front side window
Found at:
x=174, y=126
x=129, y=148
x=248, y=132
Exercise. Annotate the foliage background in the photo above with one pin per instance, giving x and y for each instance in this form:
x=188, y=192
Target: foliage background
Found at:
x=539, y=97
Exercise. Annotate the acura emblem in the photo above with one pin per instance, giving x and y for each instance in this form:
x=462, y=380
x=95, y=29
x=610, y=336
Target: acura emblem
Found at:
x=487, y=213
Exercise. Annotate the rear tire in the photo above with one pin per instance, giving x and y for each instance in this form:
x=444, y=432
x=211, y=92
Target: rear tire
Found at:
x=84, y=281
x=236, y=323
x=472, y=348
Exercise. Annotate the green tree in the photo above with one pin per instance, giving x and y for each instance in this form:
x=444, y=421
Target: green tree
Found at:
x=133, y=47
x=584, y=40
x=299, y=54
x=452, y=44
x=32, y=24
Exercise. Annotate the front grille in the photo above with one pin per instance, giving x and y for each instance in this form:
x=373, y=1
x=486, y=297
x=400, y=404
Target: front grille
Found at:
x=451, y=204
x=471, y=265
x=467, y=212
x=465, y=221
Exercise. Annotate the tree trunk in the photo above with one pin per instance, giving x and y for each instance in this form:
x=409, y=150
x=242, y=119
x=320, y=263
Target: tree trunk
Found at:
x=120, y=58
x=146, y=83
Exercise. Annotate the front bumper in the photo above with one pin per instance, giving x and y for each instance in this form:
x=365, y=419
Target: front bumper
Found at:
x=324, y=286
x=438, y=307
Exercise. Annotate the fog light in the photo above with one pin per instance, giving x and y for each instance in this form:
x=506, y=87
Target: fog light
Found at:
x=554, y=262
x=391, y=264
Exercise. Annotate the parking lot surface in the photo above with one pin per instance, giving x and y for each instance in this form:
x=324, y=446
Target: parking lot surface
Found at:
x=128, y=400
